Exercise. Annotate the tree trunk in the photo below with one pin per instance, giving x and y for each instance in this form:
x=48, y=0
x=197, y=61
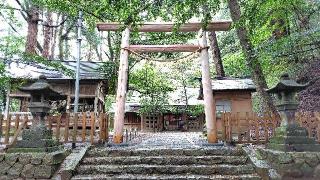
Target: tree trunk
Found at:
x=216, y=54
x=32, y=20
x=47, y=35
x=251, y=58
x=61, y=39
x=53, y=46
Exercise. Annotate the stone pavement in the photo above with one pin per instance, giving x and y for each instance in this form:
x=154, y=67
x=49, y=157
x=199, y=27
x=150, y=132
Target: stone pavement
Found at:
x=171, y=140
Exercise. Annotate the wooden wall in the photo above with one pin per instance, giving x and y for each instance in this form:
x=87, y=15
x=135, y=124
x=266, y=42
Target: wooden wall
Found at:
x=240, y=102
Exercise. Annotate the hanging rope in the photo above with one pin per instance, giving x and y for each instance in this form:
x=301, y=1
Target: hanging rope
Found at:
x=185, y=57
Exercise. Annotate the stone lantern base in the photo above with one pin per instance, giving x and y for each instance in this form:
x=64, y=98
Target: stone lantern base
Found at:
x=36, y=139
x=293, y=138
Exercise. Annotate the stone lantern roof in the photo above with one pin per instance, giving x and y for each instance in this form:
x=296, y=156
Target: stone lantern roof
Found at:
x=287, y=84
x=41, y=86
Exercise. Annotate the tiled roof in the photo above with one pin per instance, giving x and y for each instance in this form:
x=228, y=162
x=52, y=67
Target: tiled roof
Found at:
x=32, y=70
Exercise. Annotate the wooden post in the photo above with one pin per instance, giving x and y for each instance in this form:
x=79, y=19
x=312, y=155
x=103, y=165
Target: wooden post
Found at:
x=84, y=126
x=256, y=123
x=248, y=127
x=209, y=104
x=17, y=121
x=101, y=129
x=75, y=128
x=142, y=122
x=8, y=125
x=16, y=134
x=1, y=121
x=58, y=128
x=317, y=116
x=107, y=128
x=92, y=128
x=121, y=88
x=223, y=119
x=7, y=108
x=66, y=128
x=238, y=128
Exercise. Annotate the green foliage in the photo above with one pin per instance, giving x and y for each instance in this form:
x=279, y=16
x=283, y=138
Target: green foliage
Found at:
x=153, y=87
x=194, y=110
x=109, y=71
x=235, y=65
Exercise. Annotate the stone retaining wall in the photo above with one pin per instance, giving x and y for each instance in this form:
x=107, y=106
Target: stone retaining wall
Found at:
x=292, y=164
x=30, y=165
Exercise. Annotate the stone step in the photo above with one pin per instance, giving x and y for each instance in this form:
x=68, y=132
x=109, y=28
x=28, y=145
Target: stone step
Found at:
x=167, y=177
x=221, y=169
x=173, y=160
x=226, y=151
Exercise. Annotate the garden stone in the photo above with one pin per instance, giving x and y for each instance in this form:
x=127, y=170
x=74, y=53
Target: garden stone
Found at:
x=28, y=171
x=306, y=169
x=284, y=158
x=37, y=158
x=11, y=158
x=54, y=157
x=43, y=171
x=15, y=170
x=1, y=157
x=316, y=171
x=311, y=159
x=25, y=159
x=298, y=158
x=4, y=168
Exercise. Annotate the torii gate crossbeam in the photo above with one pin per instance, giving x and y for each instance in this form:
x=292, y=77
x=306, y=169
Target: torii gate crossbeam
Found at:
x=209, y=105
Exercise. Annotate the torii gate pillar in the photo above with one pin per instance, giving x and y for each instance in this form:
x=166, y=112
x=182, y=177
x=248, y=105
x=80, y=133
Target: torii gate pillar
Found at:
x=209, y=104
x=121, y=88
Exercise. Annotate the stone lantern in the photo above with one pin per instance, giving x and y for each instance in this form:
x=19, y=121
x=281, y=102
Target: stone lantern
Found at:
x=38, y=138
x=290, y=136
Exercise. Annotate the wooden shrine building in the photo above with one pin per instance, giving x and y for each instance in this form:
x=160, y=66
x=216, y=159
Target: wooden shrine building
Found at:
x=231, y=95
x=93, y=85
x=168, y=121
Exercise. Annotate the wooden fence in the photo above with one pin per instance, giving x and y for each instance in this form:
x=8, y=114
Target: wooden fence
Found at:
x=66, y=128
x=248, y=127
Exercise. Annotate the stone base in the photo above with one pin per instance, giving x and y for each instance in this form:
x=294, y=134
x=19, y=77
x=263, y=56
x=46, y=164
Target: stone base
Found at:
x=39, y=149
x=36, y=139
x=30, y=165
x=293, y=138
x=292, y=164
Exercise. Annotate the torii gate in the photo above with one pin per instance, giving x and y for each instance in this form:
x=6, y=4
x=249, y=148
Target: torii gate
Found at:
x=209, y=105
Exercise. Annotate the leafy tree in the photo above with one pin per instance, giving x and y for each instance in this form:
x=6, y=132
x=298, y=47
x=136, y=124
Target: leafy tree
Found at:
x=153, y=87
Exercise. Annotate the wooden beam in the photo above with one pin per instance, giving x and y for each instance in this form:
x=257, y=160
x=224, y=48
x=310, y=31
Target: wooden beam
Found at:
x=168, y=26
x=164, y=48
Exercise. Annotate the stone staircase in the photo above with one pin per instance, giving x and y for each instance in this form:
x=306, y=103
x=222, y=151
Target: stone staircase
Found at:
x=201, y=163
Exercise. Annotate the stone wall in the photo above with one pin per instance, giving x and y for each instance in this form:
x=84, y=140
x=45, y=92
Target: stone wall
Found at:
x=30, y=165
x=292, y=164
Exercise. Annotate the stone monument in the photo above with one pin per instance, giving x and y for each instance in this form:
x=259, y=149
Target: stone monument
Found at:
x=38, y=138
x=290, y=136
x=37, y=155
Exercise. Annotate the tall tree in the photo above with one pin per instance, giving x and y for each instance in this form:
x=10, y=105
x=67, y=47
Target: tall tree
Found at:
x=32, y=20
x=216, y=55
x=251, y=58
x=47, y=35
